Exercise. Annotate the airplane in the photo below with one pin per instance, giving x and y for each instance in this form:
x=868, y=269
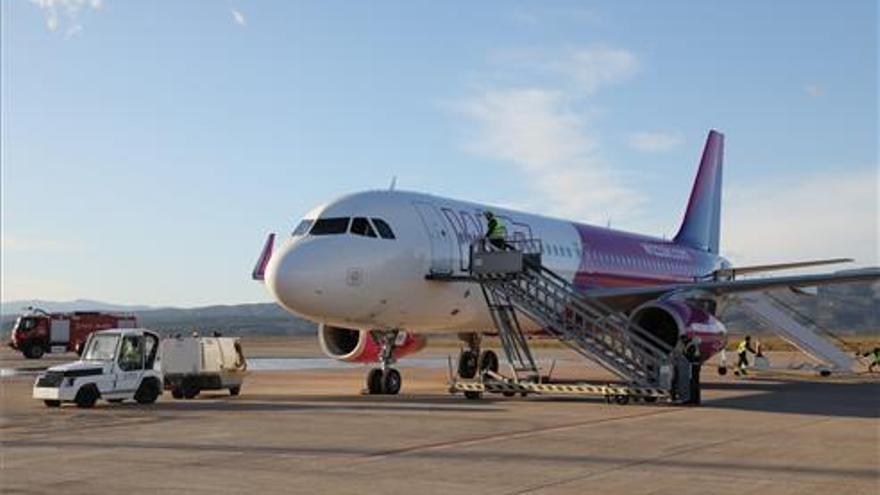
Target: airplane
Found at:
x=367, y=267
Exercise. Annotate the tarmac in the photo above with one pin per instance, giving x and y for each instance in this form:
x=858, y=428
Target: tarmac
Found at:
x=311, y=431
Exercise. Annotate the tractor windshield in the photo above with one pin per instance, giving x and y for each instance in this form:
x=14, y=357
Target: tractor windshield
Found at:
x=101, y=347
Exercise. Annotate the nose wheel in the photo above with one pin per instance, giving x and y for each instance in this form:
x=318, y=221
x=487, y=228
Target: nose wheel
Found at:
x=385, y=380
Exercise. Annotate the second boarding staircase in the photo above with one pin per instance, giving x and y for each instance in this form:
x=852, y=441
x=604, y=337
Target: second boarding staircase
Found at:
x=513, y=278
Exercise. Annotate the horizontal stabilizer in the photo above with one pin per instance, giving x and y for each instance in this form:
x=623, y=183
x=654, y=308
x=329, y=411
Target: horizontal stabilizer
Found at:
x=260, y=268
x=744, y=270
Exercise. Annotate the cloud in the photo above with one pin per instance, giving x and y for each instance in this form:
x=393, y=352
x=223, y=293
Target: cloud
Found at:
x=818, y=216
x=814, y=91
x=238, y=17
x=593, y=68
x=655, y=141
x=544, y=130
x=68, y=11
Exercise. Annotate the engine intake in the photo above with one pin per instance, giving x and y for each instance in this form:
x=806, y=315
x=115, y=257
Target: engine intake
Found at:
x=668, y=320
x=358, y=346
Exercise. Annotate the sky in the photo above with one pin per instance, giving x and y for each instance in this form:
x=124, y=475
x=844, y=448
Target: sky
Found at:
x=149, y=147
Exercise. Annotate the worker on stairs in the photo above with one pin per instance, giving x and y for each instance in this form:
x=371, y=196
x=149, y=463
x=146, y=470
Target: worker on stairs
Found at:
x=496, y=232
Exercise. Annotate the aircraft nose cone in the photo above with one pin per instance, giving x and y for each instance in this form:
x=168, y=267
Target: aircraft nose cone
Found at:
x=293, y=277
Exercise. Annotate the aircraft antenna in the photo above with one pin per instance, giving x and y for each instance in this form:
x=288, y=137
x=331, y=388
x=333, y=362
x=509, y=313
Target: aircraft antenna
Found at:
x=393, y=183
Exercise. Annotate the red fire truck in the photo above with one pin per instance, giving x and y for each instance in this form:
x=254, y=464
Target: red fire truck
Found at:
x=38, y=332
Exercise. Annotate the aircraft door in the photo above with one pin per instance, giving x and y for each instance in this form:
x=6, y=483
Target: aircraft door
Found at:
x=440, y=236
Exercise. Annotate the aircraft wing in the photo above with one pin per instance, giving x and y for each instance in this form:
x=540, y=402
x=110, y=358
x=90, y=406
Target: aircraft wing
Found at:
x=630, y=297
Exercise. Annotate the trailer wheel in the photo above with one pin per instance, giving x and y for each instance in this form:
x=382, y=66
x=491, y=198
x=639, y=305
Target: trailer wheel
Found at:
x=622, y=399
x=52, y=403
x=148, y=392
x=176, y=392
x=33, y=351
x=189, y=388
x=86, y=396
x=115, y=401
x=472, y=395
x=235, y=390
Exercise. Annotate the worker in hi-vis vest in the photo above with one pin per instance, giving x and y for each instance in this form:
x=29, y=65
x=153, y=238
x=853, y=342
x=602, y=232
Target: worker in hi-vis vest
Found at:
x=875, y=359
x=742, y=350
x=496, y=232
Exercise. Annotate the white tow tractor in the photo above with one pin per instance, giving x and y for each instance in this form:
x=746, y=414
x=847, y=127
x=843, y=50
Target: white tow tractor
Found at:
x=116, y=365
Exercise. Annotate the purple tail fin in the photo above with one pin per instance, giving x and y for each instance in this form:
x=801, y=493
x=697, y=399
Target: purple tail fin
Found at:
x=701, y=227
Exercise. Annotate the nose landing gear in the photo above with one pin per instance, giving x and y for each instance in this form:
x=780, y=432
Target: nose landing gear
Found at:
x=385, y=380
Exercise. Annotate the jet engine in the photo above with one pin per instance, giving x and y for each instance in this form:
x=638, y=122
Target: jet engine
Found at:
x=358, y=346
x=669, y=319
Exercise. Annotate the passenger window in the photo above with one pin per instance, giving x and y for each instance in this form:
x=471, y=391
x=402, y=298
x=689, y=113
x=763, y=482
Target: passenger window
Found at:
x=383, y=228
x=302, y=228
x=360, y=226
x=330, y=226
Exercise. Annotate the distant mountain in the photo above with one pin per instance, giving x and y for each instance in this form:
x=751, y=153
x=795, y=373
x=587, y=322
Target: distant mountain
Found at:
x=239, y=319
x=16, y=307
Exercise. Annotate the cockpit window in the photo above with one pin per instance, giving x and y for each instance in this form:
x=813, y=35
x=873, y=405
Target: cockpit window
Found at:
x=383, y=228
x=330, y=226
x=302, y=228
x=361, y=226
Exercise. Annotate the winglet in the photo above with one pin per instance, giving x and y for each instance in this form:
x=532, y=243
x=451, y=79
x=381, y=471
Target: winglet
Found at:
x=263, y=260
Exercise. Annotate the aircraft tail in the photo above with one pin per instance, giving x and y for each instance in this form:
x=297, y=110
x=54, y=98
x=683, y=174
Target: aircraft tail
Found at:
x=701, y=227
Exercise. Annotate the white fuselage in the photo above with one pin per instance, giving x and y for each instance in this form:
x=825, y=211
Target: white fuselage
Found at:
x=367, y=283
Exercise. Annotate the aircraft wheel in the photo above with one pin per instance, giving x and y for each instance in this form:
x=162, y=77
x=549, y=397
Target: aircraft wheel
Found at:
x=468, y=362
x=52, y=403
x=391, y=381
x=374, y=381
x=488, y=362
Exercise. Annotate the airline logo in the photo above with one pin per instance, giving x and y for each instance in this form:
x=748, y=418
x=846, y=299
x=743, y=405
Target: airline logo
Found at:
x=669, y=252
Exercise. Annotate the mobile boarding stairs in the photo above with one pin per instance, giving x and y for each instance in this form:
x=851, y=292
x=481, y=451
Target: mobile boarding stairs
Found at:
x=514, y=280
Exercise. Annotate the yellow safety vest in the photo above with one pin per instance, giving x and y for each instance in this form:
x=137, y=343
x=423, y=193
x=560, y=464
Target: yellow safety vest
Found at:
x=743, y=347
x=499, y=231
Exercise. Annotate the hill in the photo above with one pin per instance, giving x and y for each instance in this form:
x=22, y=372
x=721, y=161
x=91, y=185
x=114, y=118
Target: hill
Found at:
x=239, y=319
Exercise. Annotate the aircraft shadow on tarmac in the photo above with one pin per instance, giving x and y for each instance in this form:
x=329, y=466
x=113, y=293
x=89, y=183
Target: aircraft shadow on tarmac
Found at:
x=851, y=400
x=854, y=400
x=356, y=403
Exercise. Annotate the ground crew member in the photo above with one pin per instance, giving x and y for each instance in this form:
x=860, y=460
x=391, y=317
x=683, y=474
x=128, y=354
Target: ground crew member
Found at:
x=875, y=359
x=496, y=232
x=692, y=354
x=744, y=348
x=681, y=378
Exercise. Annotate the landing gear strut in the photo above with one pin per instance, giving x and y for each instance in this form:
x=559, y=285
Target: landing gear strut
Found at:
x=385, y=380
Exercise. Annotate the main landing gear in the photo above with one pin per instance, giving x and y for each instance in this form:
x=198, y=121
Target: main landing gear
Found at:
x=472, y=361
x=385, y=380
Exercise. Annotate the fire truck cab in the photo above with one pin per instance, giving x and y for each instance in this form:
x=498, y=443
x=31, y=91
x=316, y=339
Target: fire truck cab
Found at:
x=116, y=365
x=38, y=332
